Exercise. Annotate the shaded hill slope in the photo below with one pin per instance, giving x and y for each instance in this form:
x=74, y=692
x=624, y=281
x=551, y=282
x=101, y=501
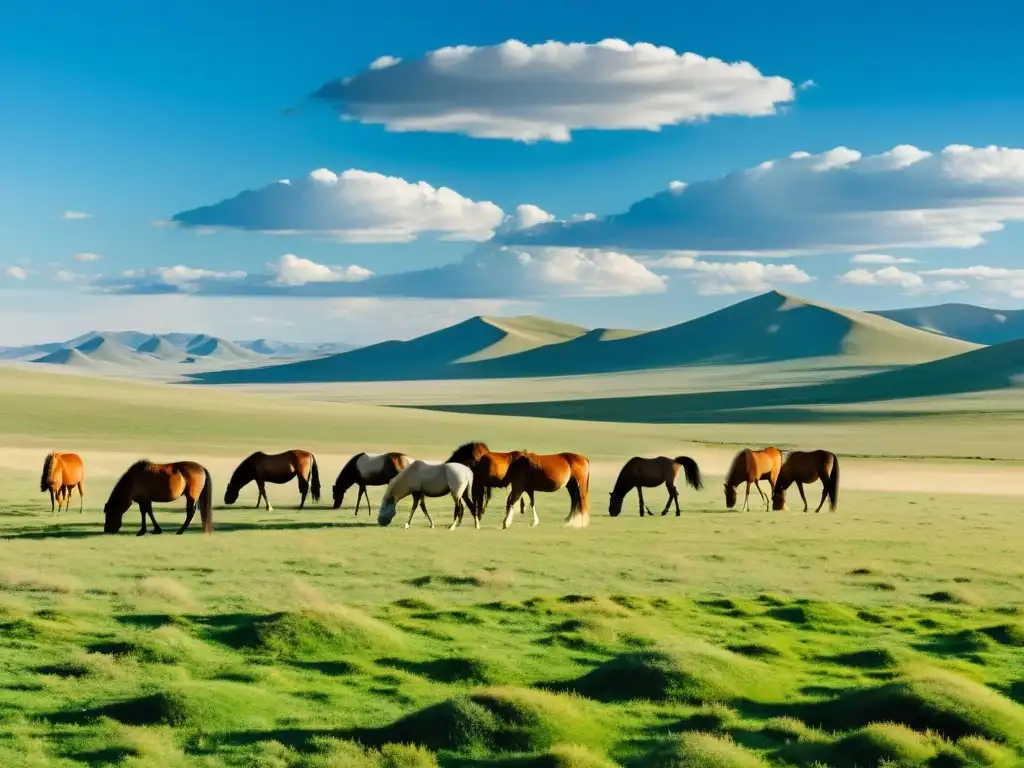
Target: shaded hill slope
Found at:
x=441, y=354
x=980, y=325
x=980, y=370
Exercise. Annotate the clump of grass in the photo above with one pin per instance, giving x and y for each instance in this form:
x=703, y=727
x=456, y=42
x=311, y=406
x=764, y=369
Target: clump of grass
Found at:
x=167, y=590
x=25, y=580
x=867, y=658
x=702, y=750
x=505, y=719
x=335, y=753
x=875, y=744
x=1011, y=634
x=953, y=596
x=763, y=649
x=453, y=669
x=979, y=751
x=694, y=673
x=821, y=616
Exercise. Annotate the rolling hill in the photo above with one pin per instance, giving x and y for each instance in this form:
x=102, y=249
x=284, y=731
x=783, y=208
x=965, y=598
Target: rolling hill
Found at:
x=980, y=325
x=438, y=355
x=772, y=327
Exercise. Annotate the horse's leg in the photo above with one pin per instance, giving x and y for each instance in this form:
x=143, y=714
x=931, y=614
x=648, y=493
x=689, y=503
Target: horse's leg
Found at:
x=303, y=490
x=415, y=503
x=515, y=494
x=764, y=498
x=640, y=497
x=52, y=508
x=456, y=514
x=746, y=498
x=533, y=506
x=142, y=510
x=800, y=487
x=675, y=498
x=263, y=493
x=259, y=496
x=156, y=525
x=429, y=519
x=671, y=495
x=824, y=495
x=81, y=497
x=190, y=512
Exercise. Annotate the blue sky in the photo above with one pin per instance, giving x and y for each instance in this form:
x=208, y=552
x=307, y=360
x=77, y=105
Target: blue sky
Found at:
x=148, y=118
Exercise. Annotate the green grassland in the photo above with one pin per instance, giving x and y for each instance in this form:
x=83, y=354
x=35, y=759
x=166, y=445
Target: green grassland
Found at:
x=890, y=632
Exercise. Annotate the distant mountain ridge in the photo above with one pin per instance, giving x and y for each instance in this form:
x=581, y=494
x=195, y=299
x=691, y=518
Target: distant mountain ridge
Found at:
x=772, y=327
x=969, y=322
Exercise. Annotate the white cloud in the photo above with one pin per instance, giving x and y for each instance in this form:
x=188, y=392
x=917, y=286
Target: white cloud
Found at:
x=85, y=257
x=837, y=200
x=17, y=273
x=544, y=92
x=66, y=276
x=181, y=275
x=528, y=215
x=715, y=278
x=807, y=84
x=1002, y=280
x=353, y=206
x=75, y=215
x=383, y=62
x=294, y=270
x=891, y=276
x=880, y=258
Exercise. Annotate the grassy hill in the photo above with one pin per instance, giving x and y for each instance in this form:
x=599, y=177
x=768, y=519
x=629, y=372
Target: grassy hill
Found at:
x=980, y=325
x=772, y=327
x=448, y=353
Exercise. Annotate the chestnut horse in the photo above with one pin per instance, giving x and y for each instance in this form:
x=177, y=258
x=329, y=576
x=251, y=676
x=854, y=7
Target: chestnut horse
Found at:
x=808, y=467
x=277, y=468
x=490, y=471
x=643, y=473
x=61, y=473
x=365, y=469
x=145, y=482
x=547, y=473
x=748, y=467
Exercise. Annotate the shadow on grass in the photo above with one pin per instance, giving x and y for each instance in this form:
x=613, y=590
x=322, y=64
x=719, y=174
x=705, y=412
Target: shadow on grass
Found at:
x=53, y=532
x=226, y=526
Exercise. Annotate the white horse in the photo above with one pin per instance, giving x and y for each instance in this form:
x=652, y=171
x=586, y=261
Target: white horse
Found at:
x=434, y=480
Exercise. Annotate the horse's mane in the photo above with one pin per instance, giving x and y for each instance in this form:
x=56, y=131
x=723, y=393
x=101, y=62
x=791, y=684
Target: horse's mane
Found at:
x=126, y=477
x=44, y=481
x=474, y=449
x=739, y=462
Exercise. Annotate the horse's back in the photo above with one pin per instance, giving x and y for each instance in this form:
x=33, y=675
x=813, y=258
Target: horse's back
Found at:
x=459, y=476
x=70, y=466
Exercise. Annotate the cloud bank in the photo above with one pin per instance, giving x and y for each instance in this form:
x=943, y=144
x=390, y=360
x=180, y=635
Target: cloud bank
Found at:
x=839, y=200
x=718, y=278
x=491, y=271
x=544, y=92
x=354, y=206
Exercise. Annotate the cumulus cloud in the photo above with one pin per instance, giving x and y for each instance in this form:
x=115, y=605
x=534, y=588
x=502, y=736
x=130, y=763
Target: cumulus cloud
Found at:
x=17, y=273
x=880, y=258
x=546, y=91
x=891, y=276
x=491, y=271
x=294, y=270
x=85, y=257
x=353, y=206
x=839, y=200
x=75, y=215
x=715, y=278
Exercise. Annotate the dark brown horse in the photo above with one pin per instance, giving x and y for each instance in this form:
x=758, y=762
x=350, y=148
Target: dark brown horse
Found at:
x=277, y=468
x=748, y=467
x=547, y=473
x=61, y=473
x=490, y=471
x=808, y=467
x=643, y=473
x=366, y=469
x=145, y=482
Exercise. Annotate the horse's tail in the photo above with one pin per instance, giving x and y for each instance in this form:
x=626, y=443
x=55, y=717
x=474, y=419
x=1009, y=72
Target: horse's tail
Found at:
x=833, y=484
x=692, y=472
x=44, y=481
x=579, y=494
x=206, y=503
x=314, y=476
x=486, y=497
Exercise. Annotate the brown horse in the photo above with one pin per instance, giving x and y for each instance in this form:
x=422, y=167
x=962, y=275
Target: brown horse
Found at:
x=547, y=473
x=61, y=473
x=643, y=473
x=365, y=469
x=490, y=471
x=277, y=468
x=808, y=467
x=748, y=467
x=145, y=482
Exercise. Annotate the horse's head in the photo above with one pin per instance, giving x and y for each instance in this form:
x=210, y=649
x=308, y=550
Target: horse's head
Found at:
x=614, y=505
x=730, y=496
x=339, y=495
x=112, y=517
x=779, y=499
x=467, y=453
x=387, y=511
x=231, y=493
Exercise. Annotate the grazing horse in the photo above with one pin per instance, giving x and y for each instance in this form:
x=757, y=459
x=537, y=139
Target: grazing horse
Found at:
x=277, y=468
x=643, y=473
x=547, y=473
x=61, y=473
x=145, y=482
x=369, y=469
x=808, y=467
x=490, y=471
x=421, y=479
x=748, y=467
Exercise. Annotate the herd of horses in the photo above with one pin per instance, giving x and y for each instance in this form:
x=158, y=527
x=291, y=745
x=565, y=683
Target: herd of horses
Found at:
x=468, y=476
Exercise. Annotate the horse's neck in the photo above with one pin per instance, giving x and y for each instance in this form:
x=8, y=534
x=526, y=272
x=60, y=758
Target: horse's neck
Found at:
x=621, y=488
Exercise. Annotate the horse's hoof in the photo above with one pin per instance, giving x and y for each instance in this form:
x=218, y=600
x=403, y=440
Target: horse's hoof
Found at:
x=180, y=531
x=158, y=531
x=141, y=533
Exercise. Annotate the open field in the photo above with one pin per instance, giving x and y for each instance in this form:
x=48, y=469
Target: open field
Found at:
x=892, y=629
